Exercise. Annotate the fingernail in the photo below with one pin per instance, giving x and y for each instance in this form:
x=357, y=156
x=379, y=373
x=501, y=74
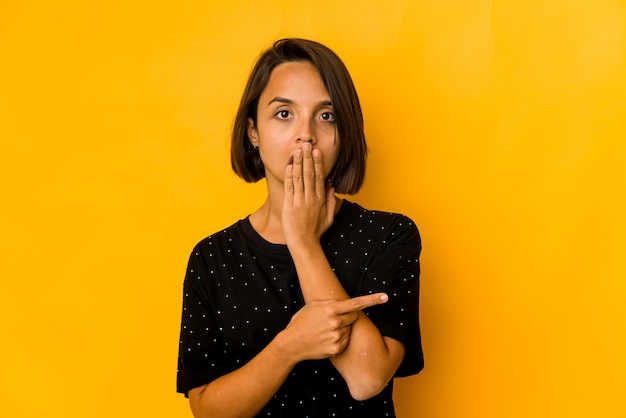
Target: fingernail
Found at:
x=306, y=146
x=384, y=297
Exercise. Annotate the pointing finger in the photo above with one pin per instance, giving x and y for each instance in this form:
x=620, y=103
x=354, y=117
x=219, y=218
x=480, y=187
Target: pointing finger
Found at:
x=361, y=302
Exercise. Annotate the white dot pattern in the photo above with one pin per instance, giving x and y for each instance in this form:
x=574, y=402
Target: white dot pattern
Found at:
x=241, y=290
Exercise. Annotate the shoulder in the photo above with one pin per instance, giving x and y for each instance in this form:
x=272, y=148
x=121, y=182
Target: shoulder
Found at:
x=383, y=223
x=212, y=254
x=220, y=241
x=223, y=235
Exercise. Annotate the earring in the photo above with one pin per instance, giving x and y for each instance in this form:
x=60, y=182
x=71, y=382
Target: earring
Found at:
x=256, y=148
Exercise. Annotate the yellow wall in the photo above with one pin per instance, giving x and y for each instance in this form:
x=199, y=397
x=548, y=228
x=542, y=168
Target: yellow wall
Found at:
x=499, y=126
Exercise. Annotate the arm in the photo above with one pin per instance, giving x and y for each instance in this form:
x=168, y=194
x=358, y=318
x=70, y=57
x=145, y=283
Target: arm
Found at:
x=369, y=360
x=257, y=381
x=319, y=330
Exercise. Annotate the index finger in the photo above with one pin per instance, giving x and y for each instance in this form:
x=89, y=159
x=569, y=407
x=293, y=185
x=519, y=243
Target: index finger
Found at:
x=361, y=302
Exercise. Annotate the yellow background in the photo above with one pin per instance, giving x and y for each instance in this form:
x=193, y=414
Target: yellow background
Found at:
x=498, y=126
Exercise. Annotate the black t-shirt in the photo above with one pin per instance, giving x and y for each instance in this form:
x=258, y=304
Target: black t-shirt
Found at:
x=240, y=291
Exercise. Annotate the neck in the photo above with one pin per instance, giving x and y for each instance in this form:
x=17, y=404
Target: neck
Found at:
x=267, y=220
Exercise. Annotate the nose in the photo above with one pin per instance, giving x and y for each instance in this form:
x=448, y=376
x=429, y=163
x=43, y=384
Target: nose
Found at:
x=306, y=131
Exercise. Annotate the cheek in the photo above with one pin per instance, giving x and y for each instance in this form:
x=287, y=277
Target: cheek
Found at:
x=331, y=157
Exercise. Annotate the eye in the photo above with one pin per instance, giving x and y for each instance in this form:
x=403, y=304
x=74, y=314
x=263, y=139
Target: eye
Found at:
x=327, y=116
x=282, y=114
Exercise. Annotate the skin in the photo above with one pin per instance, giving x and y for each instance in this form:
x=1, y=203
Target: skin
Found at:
x=297, y=139
x=294, y=109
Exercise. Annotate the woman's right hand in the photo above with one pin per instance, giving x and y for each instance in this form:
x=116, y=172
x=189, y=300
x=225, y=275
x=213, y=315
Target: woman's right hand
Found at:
x=309, y=205
x=321, y=329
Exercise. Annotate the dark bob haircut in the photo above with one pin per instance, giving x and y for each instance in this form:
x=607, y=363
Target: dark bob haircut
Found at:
x=349, y=171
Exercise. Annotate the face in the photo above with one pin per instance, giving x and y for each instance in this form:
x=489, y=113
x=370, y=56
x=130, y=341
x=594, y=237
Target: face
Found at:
x=294, y=108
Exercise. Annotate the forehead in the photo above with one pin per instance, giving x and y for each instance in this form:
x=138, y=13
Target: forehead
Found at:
x=295, y=79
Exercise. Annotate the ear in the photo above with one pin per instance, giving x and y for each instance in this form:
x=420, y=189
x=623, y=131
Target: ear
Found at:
x=252, y=133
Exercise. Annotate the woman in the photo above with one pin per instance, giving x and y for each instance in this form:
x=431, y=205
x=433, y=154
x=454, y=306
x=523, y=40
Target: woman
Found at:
x=309, y=306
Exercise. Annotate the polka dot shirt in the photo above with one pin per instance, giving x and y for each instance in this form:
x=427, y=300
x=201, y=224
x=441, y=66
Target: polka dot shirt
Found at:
x=240, y=291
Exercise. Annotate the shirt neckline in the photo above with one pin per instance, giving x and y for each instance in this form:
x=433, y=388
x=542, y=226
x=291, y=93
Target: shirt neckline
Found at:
x=281, y=249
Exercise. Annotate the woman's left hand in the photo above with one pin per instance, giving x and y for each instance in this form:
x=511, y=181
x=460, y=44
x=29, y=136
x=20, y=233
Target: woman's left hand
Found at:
x=308, y=207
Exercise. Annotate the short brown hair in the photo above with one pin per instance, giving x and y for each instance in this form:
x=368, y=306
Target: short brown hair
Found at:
x=349, y=171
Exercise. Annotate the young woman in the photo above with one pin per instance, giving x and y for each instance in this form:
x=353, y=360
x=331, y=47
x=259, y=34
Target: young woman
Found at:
x=308, y=307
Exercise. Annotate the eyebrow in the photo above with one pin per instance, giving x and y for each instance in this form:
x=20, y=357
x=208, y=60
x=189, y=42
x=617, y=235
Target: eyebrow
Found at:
x=279, y=99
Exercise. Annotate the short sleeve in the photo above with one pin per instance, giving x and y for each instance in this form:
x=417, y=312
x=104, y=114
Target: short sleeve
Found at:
x=199, y=345
x=395, y=269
